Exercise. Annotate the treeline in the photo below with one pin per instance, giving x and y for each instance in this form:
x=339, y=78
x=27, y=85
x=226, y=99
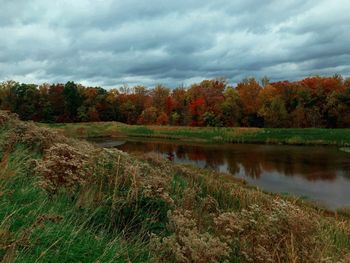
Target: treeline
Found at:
x=311, y=102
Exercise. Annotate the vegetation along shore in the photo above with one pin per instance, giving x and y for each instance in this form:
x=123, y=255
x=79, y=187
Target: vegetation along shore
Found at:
x=68, y=200
x=295, y=136
x=299, y=112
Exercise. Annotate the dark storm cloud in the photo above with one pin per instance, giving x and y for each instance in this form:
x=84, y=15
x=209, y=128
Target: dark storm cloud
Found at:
x=112, y=42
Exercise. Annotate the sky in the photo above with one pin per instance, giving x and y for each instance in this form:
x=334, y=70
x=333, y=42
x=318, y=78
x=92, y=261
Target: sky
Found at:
x=109, y=43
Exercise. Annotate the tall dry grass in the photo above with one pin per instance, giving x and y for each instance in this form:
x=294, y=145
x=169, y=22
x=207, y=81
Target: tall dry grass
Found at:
x=177, y=213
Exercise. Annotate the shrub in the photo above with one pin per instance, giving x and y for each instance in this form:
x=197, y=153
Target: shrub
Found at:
x=61, y=167
x=187, y=243
x=5, y=117
x=281, y=233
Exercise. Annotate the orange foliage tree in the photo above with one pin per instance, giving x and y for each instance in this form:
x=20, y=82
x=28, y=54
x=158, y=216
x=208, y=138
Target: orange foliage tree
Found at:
x=311, y=102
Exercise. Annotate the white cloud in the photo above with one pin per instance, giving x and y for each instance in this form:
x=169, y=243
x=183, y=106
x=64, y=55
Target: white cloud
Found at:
x=112, y=42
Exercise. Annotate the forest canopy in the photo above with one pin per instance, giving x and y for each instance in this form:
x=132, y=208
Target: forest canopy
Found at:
x=310, y=102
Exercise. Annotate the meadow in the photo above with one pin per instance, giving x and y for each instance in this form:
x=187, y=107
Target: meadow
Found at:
x=297, y=136
x=65, y=200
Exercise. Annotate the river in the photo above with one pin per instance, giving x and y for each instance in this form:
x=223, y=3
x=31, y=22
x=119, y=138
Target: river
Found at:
x=318, y=173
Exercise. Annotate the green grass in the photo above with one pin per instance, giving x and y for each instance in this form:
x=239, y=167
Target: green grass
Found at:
x=311, y=136
x=65, y=233
x=145, y=209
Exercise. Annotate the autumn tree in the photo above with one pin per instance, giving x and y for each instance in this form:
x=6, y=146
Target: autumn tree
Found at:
x=159, y=97
x=272, y=109
x=274, y=113
x=72, y=100
x=128, y=113
x=212, y=120
x=249, y=90
x=140, y=98
x=338, y=108
x=179, y=102
x=57, y=102
x=162, y=119
x=197, y=109
x=311, y=102
x=46, y=112
x=24, y=101
x=231, y=108
x=347, y=83
x=5, y=93
x=111, y=99
x=148, y=116
x=211, y=91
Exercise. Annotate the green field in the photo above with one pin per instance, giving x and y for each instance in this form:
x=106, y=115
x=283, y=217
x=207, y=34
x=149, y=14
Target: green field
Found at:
x=65, y=200
x=312, y=136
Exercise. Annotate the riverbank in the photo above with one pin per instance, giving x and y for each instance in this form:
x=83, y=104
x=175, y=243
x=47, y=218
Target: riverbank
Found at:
x=316, y=173
x=66, y=200
x=292, y=136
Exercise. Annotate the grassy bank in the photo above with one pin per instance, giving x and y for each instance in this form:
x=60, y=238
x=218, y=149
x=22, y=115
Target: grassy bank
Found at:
x=310, y=136
x=64, y=200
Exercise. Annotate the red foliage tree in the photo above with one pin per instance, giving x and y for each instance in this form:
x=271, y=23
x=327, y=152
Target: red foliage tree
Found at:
x=162, y=119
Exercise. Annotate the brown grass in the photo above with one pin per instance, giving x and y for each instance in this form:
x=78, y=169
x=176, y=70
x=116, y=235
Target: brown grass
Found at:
x=241, y=131
x=186, y=214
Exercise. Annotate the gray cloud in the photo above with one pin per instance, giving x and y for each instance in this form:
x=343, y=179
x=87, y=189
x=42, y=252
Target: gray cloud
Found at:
x=112, y=42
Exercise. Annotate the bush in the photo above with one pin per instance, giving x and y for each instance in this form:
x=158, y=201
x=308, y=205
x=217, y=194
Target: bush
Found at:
x=281, y=233
x=61, y=167
x=187, y=243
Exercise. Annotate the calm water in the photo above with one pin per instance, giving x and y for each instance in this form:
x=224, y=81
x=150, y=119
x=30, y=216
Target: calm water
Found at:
x=320, y=173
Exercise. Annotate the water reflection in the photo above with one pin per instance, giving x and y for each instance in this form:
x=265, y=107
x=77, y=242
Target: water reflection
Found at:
x=320, y=173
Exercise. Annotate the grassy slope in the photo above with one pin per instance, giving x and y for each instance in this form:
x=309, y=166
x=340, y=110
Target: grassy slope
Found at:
x=140, y=209
x=36, y=228
x=339, y=137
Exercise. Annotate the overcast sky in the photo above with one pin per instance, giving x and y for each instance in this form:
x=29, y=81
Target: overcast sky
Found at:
x=112, y=42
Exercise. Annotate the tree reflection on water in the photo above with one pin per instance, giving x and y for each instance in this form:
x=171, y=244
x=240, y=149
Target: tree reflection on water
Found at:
x=312, y=163
x=319, y=173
